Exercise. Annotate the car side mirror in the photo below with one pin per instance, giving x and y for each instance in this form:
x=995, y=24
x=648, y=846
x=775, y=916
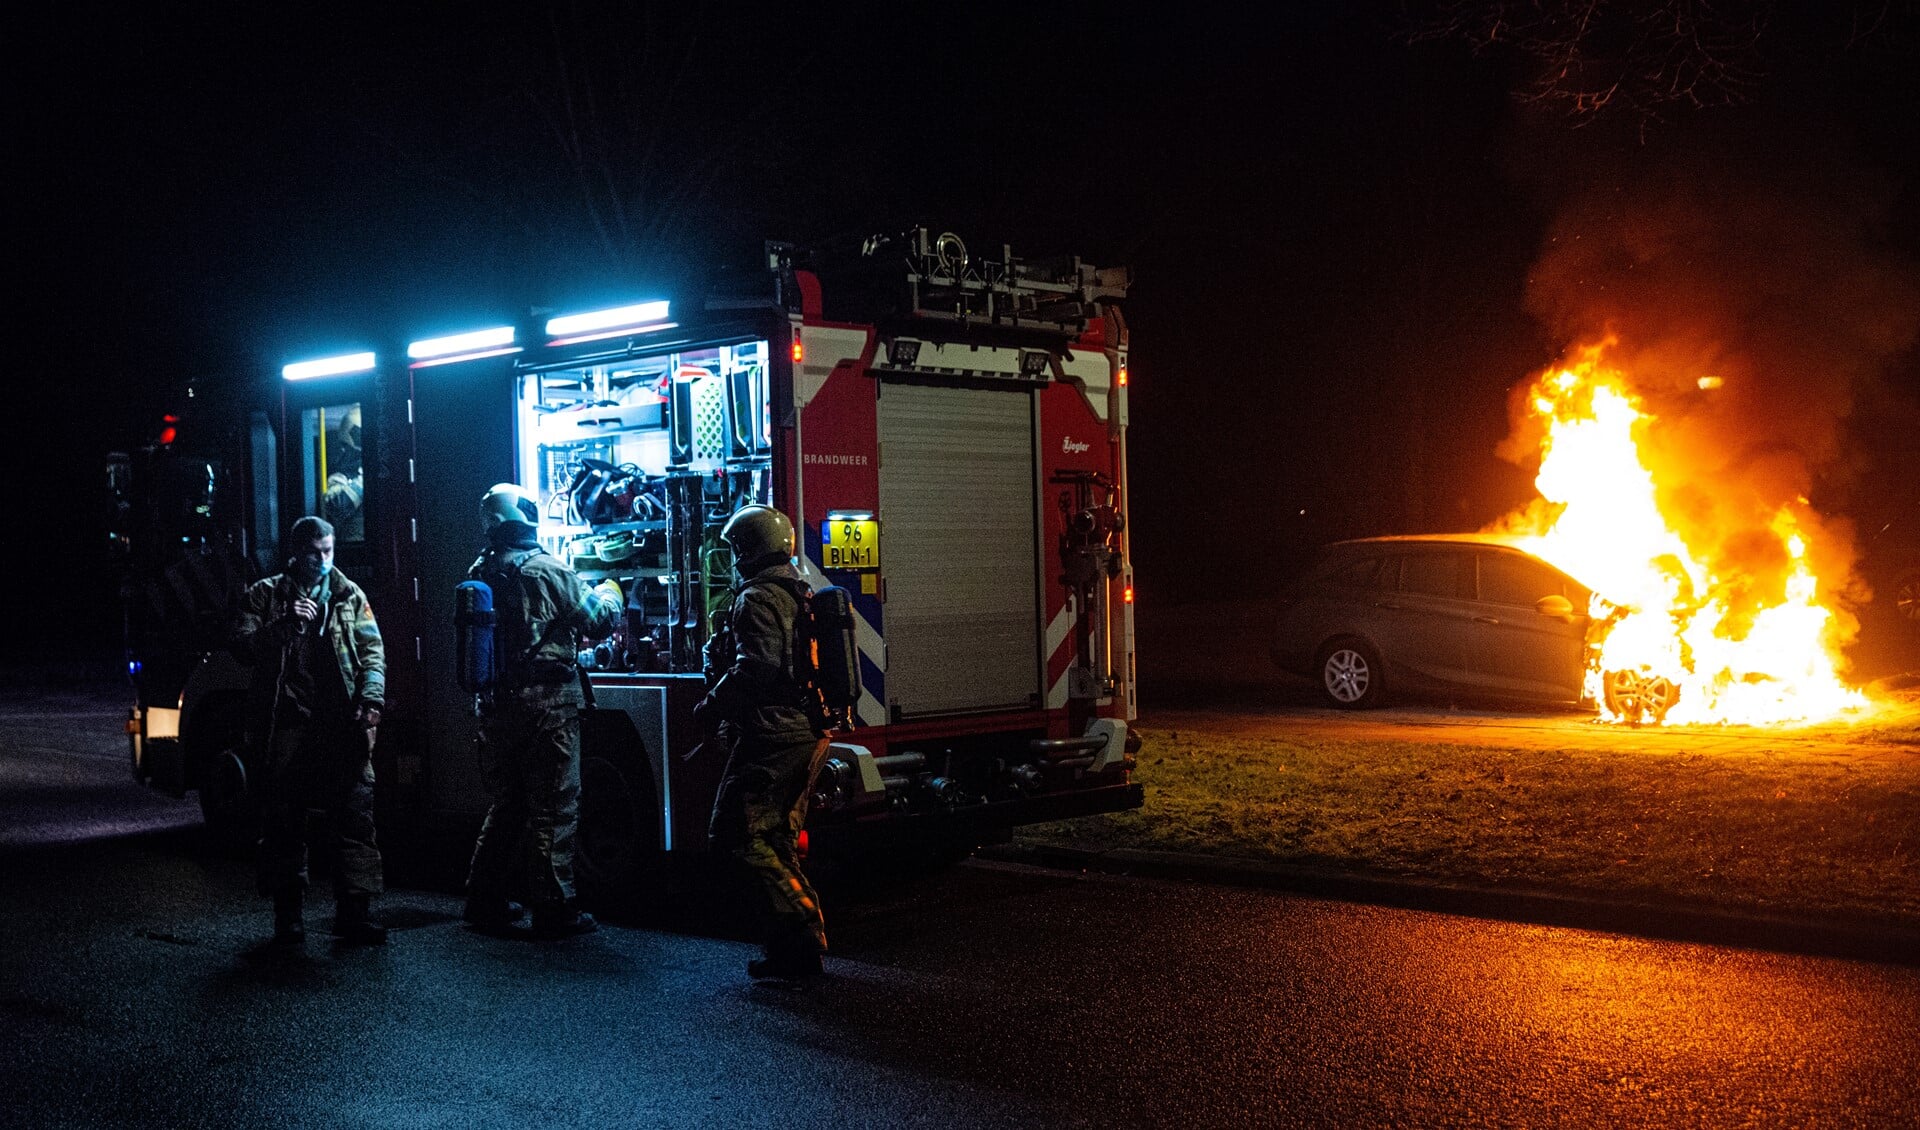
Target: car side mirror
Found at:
x=1556, y=606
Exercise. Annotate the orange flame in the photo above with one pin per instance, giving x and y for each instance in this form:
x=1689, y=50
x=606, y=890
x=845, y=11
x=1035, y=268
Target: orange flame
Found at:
x=1666, y=623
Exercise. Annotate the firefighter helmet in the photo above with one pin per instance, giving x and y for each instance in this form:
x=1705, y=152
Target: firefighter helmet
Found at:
x=757, y=534
x=506, y=504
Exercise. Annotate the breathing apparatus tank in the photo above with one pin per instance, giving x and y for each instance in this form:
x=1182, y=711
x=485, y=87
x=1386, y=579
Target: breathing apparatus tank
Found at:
x=473, y=631
x=836, y=661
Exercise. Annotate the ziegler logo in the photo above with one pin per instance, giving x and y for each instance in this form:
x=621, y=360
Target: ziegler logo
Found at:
x=1070, y=446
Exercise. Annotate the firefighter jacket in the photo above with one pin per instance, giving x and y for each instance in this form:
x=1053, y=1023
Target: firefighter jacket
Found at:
x=761, y=695
x=353, y=638
x=544, y=610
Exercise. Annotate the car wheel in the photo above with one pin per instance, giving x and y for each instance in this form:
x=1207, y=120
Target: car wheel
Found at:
x=1639, y=696
x=1906, y=598
x=1350, y=674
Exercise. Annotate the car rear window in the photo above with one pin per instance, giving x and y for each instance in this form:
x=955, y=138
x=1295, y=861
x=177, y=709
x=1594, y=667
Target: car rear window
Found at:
x=1361, y=574
x=1438, y=574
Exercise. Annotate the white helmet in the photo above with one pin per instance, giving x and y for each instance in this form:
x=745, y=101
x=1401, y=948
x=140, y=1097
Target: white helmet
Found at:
x=756, y=533
x=506, y=504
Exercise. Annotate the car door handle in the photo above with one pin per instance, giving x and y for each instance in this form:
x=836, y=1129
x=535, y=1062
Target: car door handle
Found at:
x=1486, y=620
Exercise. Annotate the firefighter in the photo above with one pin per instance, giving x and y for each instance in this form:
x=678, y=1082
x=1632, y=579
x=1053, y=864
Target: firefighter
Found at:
x=344, y=499
x=529, y=732
x=319, y=682
x=775, y=745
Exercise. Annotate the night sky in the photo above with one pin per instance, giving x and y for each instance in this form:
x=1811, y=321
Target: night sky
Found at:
x=1348, y=247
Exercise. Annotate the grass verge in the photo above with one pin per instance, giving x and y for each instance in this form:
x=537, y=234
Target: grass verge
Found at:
x=1827, y=837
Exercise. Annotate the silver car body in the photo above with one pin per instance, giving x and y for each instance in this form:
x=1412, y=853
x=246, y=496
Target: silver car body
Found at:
x=1440, y=612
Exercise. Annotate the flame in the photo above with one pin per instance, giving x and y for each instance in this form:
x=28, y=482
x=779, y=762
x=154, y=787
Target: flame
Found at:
x=1735, y=649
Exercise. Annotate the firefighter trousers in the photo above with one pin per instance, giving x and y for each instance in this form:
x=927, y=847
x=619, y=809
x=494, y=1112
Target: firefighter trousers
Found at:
x=328, y=769
x=757, y=816
x=530, y=764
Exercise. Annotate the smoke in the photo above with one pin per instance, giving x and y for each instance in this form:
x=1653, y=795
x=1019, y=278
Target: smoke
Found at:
x=1767, y=273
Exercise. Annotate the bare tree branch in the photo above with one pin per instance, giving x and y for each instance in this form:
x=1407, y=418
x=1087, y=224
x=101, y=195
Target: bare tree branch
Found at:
x=1645, y=58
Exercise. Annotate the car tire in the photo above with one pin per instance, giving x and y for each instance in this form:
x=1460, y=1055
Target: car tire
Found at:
x=1906, y=599
x=1637, y=696
x=1350, y=674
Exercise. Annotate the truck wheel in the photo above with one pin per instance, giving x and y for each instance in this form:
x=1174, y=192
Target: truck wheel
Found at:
x=617, y=847
x=227, y=804
x=1350, y=675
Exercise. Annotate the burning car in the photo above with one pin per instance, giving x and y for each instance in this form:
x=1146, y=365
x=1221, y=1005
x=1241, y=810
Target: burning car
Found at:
x=1892, y=567
x=1694, y=604
x=1437, y=613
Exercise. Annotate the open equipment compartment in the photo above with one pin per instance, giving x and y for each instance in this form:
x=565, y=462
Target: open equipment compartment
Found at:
x=636, y=463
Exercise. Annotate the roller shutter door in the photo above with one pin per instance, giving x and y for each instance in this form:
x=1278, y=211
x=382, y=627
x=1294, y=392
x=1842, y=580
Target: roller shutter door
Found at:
x=957, y=538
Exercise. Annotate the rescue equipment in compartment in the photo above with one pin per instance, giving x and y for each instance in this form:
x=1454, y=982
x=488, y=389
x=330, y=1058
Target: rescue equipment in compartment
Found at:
x=473, y=621
x=601, y=493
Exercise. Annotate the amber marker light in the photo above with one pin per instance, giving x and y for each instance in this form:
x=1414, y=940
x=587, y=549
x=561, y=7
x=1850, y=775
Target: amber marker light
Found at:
x=799, y=353
x=1126, y=595
x=1123, y=376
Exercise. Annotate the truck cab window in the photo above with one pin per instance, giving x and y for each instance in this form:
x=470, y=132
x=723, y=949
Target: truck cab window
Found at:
x=333, y=471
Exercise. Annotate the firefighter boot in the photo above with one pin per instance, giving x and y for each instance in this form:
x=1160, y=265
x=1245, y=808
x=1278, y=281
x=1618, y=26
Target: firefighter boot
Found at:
x=793, y=957
x=561, y=920
x=351, y=924
x=288, y=929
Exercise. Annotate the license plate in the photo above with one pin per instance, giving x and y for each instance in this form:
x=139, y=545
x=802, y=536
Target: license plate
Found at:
x=851, y=544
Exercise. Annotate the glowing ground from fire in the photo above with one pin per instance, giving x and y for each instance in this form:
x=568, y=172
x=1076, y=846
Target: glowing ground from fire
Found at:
x=1745, y=646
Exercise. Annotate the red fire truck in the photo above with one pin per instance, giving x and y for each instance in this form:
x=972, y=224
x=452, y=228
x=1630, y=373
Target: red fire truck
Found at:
x=948, y=432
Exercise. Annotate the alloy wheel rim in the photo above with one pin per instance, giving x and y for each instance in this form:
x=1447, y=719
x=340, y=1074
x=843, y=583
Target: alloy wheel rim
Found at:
x=1347, y=675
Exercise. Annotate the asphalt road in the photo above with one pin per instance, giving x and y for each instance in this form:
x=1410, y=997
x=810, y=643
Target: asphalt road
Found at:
x=65, y=773
x=134, y=993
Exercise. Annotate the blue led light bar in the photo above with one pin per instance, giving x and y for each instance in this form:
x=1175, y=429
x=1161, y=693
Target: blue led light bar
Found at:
x=461, y=343
x=328, y=367
x=617, y=317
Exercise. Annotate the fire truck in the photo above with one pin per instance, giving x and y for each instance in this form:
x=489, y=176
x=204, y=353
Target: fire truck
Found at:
x=948, y=433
